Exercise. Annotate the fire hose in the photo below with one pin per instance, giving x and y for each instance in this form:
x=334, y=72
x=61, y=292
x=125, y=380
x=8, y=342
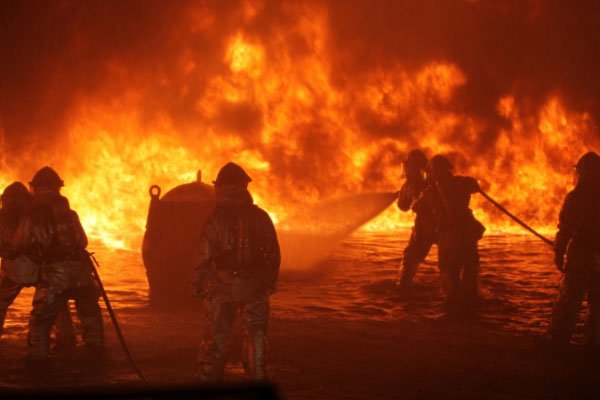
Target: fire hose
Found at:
x=94, y=265
x=516, y=219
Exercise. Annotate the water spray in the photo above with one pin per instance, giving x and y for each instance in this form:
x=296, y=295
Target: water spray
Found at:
x=516, y=219
x=320, y=227
x=94, y=265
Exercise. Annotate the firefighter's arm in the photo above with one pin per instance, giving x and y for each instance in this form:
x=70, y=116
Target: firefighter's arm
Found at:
x=23, y=238
x=6, y=236
x=82, y=239
x=470, y=184
x=204, y=262
x=567, y=224
x=272, y=256
x=423, y=201
x=405, y=197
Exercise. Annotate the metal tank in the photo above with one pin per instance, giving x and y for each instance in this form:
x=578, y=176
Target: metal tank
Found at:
x=169, y=248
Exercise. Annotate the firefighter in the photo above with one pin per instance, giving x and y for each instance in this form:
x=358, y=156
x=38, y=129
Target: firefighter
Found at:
x=577, y=239
x=423, y=232
x=15, y=199
x=236, y=273
x=53, y=236
x=458, y=233
x=18, y=270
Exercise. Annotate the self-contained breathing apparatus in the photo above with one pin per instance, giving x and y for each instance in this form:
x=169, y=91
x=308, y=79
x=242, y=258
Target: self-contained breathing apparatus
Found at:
x=244, y=254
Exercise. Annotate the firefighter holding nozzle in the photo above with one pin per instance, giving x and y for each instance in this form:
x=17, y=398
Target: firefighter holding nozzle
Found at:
x=578, y=239
x=236, y=273
x=422, y=236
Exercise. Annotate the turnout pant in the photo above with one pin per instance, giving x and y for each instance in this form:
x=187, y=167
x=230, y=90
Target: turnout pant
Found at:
x=576, y=283
x=220, y=317
x=48, y=303
x=9, y=290
x=415, y=252
x=459, y=269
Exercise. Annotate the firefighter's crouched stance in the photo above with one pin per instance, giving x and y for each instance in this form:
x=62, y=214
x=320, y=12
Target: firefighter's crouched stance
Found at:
x=236, y=273
x=53, y=236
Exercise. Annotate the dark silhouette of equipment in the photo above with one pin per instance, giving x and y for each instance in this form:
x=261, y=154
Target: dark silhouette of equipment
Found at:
x=173, y=228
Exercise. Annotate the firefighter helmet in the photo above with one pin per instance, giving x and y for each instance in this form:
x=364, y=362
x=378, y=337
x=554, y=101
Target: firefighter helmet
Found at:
x=232, y=174
x=439, y=163
x=417, y=159
x=16, y=191
x=47, y=177
x=589, y=162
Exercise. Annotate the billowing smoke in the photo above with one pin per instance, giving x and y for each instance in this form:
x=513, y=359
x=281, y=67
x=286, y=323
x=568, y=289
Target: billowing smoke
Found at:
x=529, y=49
x=315, y=98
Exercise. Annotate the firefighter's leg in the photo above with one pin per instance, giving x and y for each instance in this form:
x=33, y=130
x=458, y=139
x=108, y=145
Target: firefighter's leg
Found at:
x=415, y=252
x=9, y=290
x=219, y=320
x=46, y=306
x=256, y=317
x=450, y=275
x=594, y=313
x=566, y=309
x=64, y=330
x=470, y=273
x=90, y=315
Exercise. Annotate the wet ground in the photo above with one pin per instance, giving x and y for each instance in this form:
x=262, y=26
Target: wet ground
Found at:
x=340, y=330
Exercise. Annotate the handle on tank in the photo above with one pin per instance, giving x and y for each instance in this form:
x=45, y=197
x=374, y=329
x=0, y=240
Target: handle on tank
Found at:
x=154, y=191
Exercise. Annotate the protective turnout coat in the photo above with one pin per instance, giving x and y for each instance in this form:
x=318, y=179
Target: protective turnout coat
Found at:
x=408, y=199
x=239, y=254
x=52, y=235
x=453, y=198
x=578, y=233
x=18, y=268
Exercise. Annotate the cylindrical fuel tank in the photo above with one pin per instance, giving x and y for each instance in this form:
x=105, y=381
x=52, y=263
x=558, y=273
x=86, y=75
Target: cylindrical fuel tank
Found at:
x=169, y=249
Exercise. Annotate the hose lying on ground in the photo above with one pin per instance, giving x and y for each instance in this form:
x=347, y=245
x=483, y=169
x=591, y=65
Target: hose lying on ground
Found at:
x=94, y=263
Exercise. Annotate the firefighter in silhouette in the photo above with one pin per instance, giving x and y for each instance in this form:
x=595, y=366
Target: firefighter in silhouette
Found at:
x=457, y=234
x=53, y=236
x=578, y=239
x=18, y=270
x=423, y=232
x=15, y=200
x=236, y=273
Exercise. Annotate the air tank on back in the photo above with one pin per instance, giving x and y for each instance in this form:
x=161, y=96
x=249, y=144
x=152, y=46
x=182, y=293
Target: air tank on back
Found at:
x=170, y=242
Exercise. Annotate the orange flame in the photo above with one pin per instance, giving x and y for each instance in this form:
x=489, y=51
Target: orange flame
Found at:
x=281, y=90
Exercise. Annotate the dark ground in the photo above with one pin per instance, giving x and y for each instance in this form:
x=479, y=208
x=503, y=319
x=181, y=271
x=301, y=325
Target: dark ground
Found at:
x=335, y=359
